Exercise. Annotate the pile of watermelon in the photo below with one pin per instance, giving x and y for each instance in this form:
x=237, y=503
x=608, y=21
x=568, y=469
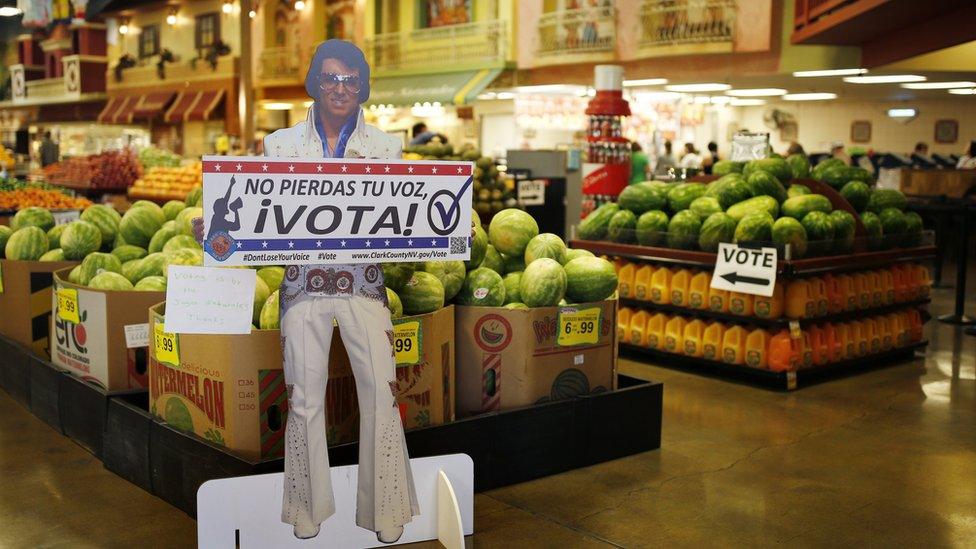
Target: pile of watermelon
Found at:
x=756, y=202
x=512, y=265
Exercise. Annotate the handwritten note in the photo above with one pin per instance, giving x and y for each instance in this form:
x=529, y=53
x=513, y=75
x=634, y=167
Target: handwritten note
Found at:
x=204, y=300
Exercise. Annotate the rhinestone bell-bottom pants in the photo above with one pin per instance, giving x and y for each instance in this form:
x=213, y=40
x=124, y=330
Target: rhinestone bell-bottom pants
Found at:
x=386, y=496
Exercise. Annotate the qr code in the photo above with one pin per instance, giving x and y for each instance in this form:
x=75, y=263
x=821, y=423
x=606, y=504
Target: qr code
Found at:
x=459, y=244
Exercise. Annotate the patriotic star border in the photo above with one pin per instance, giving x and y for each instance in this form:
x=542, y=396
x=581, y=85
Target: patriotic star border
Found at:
x=334, y=167
x=333, y=244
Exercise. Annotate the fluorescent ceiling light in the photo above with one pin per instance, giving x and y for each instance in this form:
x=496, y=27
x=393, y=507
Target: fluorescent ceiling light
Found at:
x=937, y=85
x=885, y=79
x=10, y=11
x=719, y=100
x=645, y=82
x=747, y=102
x=902, y=113
x=552, y=88
x=505, y=95
x=756, y=92
x=829, y=72
x=701, y=99
x=657, y=96
x=813, y=96
x=486, y=96
x=697, y=88
x=275, y=106
x=963, y=91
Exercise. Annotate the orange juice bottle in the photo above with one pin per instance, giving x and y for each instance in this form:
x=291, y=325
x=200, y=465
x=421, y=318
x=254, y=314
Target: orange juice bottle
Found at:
x=806, y=352
x=769, y=307
x=849, y=290
x=679, y=287
x=901, y=275
x=799, y=301
x=718, y=300
x=625, y=280
x=784, y=352
x=899, y=329
x=863, y=290
x=836, y=300
x=661, y=286
x=819, y=347
x=874, y=285
x=655, y=331
x=638, y=328
x=741, y=304
x=623, y=323
x=848, y=348
x=834, y=350
x=734, y=345
x=872, y=334
x=641, y=287
x=674, y=334
x=887, y=286
x=860, y=336
x=712, y=341
x=914, y=325
x=694, y=331
x=885, y=333
x=818, y=290
x=757, y=345
x=921, y=281
x=698, y=291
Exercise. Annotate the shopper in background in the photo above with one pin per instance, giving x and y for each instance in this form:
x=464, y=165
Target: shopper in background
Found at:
x=710, y=158
x=639, y=164
x=421, y=135
x=49, y=151
x=968, y=160
x=920, y=156
x=837, y=151
x=691, y=159
x=795, y=148
x=665, y=161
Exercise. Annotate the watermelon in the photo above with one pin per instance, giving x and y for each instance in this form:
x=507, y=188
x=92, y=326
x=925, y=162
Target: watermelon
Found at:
x=57, y=254
x=129, y=252
x=844, y=228
x=622, y=228
x=642, y=197
x=886, y=198
x=484, y=288
x=859, y=174
x=776, y=167
x=705, y=206
x=424, y=293
x=729, y=190
x=797, y=190
x=160, y=239
x=32, y=217
x=799, y=206
x=651, y=228
x=5, y=233
x=681, y=196
x=156, y=209
x=194, y=198
x=857, y=194
x=97, y=262
x=799, y=166
x=181, y=241
x=272, y=276
x=493, y=260
x=475, y=219
x=683, y=230
x=516, y=305
x=820, y=232
x=450, y=273
x=79, y=239
x=26, y=244
x=479, y=248
x=74, y=275
x=261, y=293
x=543, y=283
x=395, y=275
x=596, y=224
x=150, y=284
x=54, y=236
x=130, y=267
x=789, y=231
x=826, y=164
x=573, y=253
x=872, y=225
x=512, y=282
x=725, y=167
x=105, y=218
x=913, y=229
x=393, y=303
x=151, y=265
x=513, y=263
x=764, y=183
x=893, y=225
x=754, y=227
x=184, y=220
x=511, y=230
x=108, y=280
x=590, y=279
x=717, y=228
x=184, y=256
x=836, y=176
x=173, y=207
x=546, y=245
x=766, y=204
x=138, y=226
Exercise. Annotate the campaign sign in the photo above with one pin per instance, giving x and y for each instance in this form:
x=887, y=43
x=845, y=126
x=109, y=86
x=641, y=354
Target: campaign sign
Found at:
x=271, y=211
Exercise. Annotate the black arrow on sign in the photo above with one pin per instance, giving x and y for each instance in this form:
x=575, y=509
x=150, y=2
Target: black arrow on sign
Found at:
x=734, y=277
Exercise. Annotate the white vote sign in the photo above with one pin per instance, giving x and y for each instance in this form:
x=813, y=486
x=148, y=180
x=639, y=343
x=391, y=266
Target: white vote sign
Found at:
x=532, y=192
x=203, y=300
x=269, y=210
x=745, y=270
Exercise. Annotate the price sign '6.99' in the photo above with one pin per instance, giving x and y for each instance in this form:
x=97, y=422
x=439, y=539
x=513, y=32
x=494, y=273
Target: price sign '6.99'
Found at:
x=579, y=326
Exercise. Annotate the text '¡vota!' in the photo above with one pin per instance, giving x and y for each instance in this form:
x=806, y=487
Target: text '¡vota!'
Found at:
x=329, y=187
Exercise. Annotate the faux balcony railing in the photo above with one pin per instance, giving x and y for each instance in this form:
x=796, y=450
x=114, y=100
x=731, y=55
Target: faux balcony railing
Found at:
x=478, y=42
x=667, y=22
x=282, y=63
x=583, y=30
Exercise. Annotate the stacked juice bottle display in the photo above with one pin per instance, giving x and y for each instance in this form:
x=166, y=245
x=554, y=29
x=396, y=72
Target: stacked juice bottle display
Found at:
x=674, y=333
x=770, y=307
x=625, y=280
x=698, y=290
x=638, y=328
x=655, y=330
x=712, y=341
x=661, y=286
x=734, y=345
x=757, y=344
x=623, y=323
x=680, y=282
x=693, y=336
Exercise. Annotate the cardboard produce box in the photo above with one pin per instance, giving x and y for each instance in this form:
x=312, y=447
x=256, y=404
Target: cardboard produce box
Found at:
x=25, y=301
x=509, y=358
x=230, y=389
x=107, y=344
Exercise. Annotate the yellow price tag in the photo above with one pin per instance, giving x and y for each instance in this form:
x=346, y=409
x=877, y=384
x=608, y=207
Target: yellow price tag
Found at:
x=579, y=326
x=166, y=345
x=407, y=342
x=68, y=305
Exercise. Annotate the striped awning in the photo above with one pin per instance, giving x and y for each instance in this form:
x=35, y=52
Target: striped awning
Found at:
x=118, y=110
x=151, y=104
x=195, y=105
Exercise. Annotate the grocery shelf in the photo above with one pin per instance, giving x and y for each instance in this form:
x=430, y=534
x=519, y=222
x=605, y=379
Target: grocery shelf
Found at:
x=783, y=381
x=774, y=323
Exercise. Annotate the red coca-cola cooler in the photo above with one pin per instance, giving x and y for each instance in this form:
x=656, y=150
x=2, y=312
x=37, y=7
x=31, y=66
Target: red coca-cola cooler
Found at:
x=606, y=171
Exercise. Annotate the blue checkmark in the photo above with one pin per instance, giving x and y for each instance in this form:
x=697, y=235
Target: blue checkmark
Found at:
x=446, y=216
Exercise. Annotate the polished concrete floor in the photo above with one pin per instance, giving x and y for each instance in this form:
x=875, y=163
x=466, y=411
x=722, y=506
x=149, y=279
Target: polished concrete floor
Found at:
x=884, y=459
